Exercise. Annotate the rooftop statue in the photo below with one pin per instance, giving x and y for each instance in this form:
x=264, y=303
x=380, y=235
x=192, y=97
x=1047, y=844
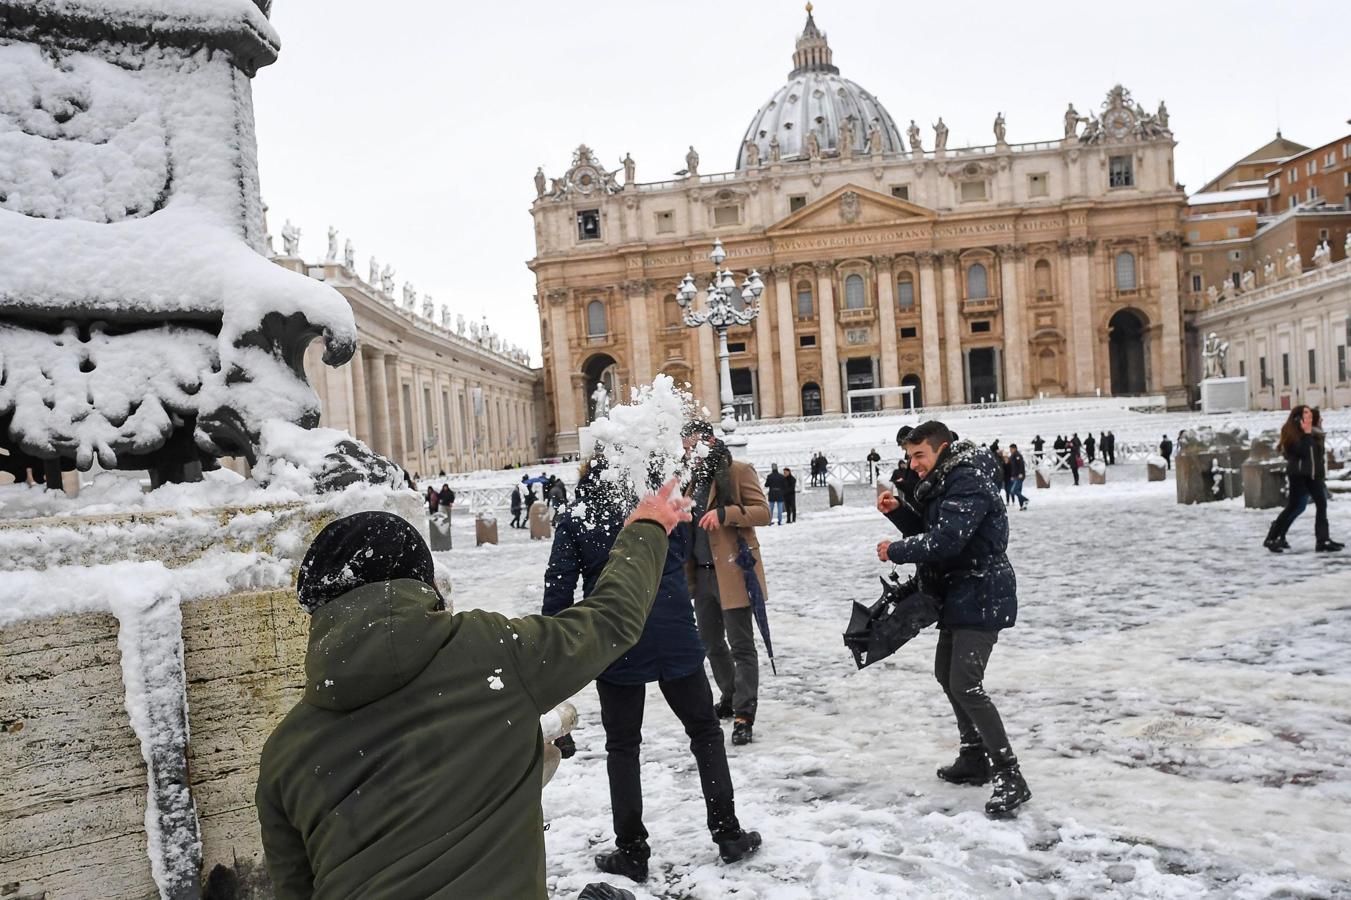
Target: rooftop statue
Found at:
x=999, y=128
x=349, y=256
x=940, y=136
x=332, y=254
x=290, y=239
x=916, y=144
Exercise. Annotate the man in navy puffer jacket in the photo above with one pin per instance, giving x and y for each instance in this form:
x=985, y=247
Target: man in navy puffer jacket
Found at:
x=957, y=534
x=669, y=653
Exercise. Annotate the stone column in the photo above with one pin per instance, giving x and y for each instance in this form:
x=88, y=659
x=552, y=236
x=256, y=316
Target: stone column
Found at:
x=766, y=384
x=640, y=337
x=830, y=358
x=787, y=319
x=379, y=399
x=1082, y=380
x=1170, y=311
x=952, y=329
x=1015, y=336
x=928, y=314
x=361, y=400
x=886, y=323
x=565, y=406
x=709, y=380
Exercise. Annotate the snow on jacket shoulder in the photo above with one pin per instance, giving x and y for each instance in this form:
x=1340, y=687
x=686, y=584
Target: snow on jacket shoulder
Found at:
x=961, y=555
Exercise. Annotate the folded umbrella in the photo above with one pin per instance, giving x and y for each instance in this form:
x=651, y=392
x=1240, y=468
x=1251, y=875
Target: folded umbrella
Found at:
x=746, y=560
x=903, y=611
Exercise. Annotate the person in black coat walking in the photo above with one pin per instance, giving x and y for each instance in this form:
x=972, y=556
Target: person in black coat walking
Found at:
x=669, y=653
x=789, y=495
x=957, y=536
x=516, y=507
x=1166, y=451
x=1017, y=468
x=1302, y=443
x=874, y=458
x=1090, y=446
x=1038, y=444
x=447, y=496
x=774, y=494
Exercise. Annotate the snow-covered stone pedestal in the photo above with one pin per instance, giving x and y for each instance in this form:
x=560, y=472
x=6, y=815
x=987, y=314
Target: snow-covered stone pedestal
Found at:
x=1209, y=464
x=1097, y=472
x=1156, y=468
x=540, y=527
x=1224, y=395
x=440, y=531
x=835, y=491
x=1264, y=482
x=485, y=529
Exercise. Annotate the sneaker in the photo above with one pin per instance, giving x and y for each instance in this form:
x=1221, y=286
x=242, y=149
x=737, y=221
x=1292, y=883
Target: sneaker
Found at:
x=1010, y=791
x=723, y=709
x=1328, y=546
x=738, y=846
x=630, y=862
x=972, y=766
x=741, y=732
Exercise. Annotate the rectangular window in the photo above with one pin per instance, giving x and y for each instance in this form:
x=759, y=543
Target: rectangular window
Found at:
x=1330, y=159
x=1341, y=362
x=464, y=423
x=910, y=331
x=1121, y=172
x=1038, y=185
x=1291, y=176
x=1285, y=370
x=1231, y=232
x=726, y=215
x=1262, y=369
x=1313, y=366
x=807, y=340
x=588, y=225
x=445, y=419
x=1242, y=369
x=428, y=413
x=1196, y=284
x=900, y=191
x=736, y=347
x=666, y=222
x=1322, y=234
x=980, y=327
x=905, y=295
x=1236, y=256
x=1294, y=201
x=408, y=422
x=804, y=303
x=1236, y=278
x=973, y=190
x=1311, y=167
x=1310, y=194
x=796, y=202
x=1194, y=236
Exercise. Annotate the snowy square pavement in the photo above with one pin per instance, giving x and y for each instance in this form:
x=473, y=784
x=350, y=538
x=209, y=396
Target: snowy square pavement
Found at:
x=1180, y=700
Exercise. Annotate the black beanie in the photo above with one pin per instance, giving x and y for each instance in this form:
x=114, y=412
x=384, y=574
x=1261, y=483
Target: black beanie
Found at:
x=363, y=548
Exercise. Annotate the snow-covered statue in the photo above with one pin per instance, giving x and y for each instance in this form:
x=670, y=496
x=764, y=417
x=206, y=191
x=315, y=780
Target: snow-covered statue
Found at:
x=875, y=138
x=751, y=153
x=459, y=325
x=601, y=398
x=916, y=143
x=409, y=296
x=387, y=280
x=1268, y=270
x=999, y=129
x=1072, y=121
x=144, y=330
x=813, y=145
x=473, y=332
x=1162, y=116
x=1212, y=293
x=1294, y=264
x=775, y=150
x=1322, y=255
x=428, y=307
x=374, y=278
x=290, y=239
x=332, y=255
x=846, y=138
x=630, y=169
x=540, y=181
x=1248, y=280
x=1215, y=354
x=349, y=256
x=692, y=162
x=445, y=317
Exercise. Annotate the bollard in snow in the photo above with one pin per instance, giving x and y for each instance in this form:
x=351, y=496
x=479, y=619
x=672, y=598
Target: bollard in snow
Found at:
x=1157, y=467
x=440, y=531
x=1209, y=464
x=835, y=487
x=485, y=529
x=1264, y=473
x=540, y=527
x=1097, y=472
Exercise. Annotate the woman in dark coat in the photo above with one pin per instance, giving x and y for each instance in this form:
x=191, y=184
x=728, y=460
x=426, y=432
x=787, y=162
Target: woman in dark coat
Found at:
x=669, y=653
x=789, y=495
x=446, y=496
x=1306, y=475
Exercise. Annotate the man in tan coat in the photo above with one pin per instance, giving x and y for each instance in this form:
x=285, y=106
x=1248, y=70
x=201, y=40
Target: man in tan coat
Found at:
x=728, y=504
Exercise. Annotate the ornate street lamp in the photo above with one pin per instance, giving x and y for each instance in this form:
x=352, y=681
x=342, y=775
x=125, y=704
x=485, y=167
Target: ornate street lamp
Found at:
x=721, y=313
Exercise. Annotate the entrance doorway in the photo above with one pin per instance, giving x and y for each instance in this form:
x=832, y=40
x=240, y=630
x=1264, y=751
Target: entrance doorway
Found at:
x=859, y=377
x=982, y=375
x=1126, y=351
x=811, y=399
x=916, y=398
x=600, y=369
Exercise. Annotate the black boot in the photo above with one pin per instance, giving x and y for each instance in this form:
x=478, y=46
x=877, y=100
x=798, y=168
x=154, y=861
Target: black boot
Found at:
x=1284, y=544
x=723, y=708
x=599, y=891
x=1328, y=546
x=737, y=845
x=1010, y=790
x=972, y=766
x=1275, y=545
x=629, y=860
x=741, y=732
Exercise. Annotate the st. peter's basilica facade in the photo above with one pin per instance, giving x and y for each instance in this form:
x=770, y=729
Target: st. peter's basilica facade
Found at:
x=998, y=272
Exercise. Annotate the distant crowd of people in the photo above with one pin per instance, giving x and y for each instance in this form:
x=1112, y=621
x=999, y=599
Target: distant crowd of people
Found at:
x=552, y=491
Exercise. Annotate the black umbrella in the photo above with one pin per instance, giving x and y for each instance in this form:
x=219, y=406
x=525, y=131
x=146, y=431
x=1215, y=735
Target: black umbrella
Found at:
x=903, y=611
x=746, y=560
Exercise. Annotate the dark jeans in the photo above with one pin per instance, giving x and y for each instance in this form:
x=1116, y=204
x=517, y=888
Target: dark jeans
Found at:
x=621, y=713
x=790, y=508
x=1016, y=491
x=1296, y=501
x=736, y=669
x=959, y=666
x=516, y=518
x=1074, y=470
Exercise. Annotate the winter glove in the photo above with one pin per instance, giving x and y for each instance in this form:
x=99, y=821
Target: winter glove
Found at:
x=566, y=746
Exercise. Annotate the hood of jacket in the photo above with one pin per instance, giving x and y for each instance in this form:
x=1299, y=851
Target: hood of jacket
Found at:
x=372, y=641
x=959, y=454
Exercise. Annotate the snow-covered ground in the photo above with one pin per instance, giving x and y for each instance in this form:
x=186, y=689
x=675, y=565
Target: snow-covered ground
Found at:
x=1180, y=700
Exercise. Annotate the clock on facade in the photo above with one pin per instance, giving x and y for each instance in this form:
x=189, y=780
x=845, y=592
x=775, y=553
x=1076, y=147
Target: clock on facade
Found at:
x=1118, y=122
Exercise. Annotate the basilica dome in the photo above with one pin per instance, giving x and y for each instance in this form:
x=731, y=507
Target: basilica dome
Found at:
x=816, y=98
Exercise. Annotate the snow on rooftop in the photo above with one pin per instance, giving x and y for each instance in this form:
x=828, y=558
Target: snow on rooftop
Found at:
x=1229, y=196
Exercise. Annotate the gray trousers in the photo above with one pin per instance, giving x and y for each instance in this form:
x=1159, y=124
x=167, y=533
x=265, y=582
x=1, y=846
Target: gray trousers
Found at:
x=736, y=670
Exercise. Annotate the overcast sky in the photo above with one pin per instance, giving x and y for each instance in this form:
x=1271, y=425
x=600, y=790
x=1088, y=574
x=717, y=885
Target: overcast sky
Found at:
x=415, y=126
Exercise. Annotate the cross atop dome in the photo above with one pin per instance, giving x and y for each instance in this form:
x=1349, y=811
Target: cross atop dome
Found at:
x=813, y=51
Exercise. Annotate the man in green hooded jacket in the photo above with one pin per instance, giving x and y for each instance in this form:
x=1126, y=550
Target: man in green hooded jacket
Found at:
x=413, y=765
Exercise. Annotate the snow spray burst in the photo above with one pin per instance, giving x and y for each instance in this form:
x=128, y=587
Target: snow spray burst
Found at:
x=640, y=440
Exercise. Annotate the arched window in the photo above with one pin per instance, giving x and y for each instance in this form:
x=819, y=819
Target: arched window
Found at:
x=905, y=292
x=1125, y=271
x=1041, y=278
x=916, y=398
x=977, y=283
x=811, y=399
x=804, y=300
x=854, y=295
x=595, y=319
